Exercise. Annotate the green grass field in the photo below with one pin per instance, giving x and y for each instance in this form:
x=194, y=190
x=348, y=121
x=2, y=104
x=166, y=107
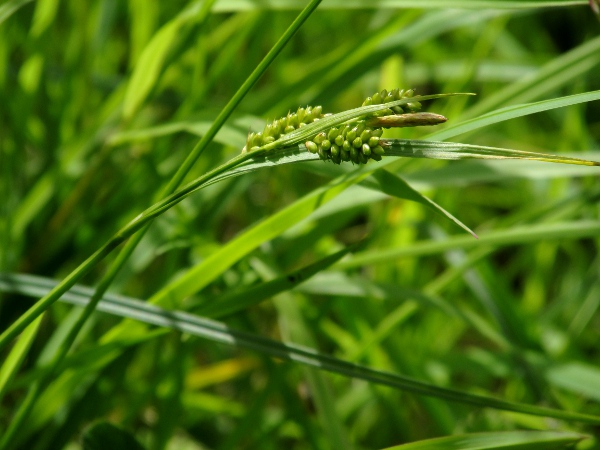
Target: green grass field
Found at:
x=159, y=289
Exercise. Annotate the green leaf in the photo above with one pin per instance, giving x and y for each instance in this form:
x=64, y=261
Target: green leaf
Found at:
x=395, y=186
x=15, y=358
x=219, y=332
x=583, y=379
x=11, y=7
x=149, y=66
x=105, y=435
x=455, y=151
x=493, y=238
x=562, y=70
x=512, y=112
x=215, y=264
x=236, y=301
x=227, y=135
x=152, y=60
x=244, y=5
x=522, y=440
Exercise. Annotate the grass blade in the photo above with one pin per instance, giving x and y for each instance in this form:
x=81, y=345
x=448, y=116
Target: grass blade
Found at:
x=512, y=236
x=454, y=151
x=236, y=301
x=221, y=333
x=522, y=440
x=244, y=5
x=512, y=112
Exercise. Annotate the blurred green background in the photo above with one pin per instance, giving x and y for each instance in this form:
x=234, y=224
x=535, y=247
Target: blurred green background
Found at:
x=101, y=101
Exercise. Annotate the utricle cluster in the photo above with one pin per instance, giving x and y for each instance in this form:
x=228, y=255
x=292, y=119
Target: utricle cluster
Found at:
x=285, y=125
x=354, y=141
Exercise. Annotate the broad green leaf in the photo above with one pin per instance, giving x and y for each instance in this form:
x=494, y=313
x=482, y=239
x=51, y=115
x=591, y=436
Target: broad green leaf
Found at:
x=522, y=440
x=221, y=333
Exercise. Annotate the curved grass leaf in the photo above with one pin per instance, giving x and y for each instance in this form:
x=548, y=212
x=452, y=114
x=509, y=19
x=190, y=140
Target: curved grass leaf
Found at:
x=11, y=7
x=560, y=71
x=16, y=356
x=578, y=377
x=512, y=236
x=221, y=333
x=152, y=60
x=215, y=264
x=236, y=301
x=395, y=186
x=227, y=135
x=205, y=272
x=455, y=151
x=244, y=5
x=512, y=112
x=522, y=440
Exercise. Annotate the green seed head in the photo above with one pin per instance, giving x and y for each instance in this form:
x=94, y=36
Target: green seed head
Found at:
x=356, y=141
x=323, y=154
x=378, y=150
x=345, y=154
x=363, y=158
x=373, y=141
x=360, y=127
x=333, y=133
x=351, y=135
x=311, y=146
x=354, y=155
x=319, y=138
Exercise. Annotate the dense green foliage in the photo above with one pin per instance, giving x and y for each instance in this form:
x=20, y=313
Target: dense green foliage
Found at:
x=312, y=268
